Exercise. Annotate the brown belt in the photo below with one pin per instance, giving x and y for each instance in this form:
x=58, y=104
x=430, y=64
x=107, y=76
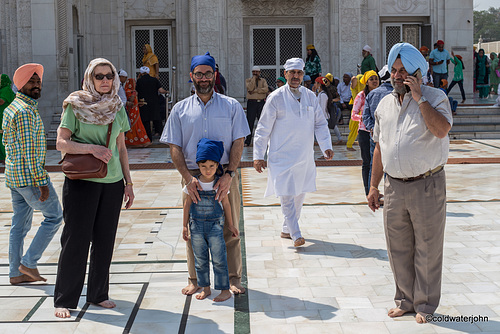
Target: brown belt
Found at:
x=421, y=176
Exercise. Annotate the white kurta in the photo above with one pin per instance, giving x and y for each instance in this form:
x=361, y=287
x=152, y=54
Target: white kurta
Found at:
x=286, y=129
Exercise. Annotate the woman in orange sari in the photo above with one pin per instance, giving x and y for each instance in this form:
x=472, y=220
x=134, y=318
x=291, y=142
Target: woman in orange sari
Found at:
x=137, y=135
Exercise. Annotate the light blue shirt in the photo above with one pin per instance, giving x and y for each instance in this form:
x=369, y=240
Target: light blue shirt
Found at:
x=437, y=55
x=222, y=118
x=344, y=92
x=372, y=100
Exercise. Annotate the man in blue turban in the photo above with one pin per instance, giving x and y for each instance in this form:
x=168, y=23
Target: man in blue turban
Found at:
x=208, y=114
x=411, y=135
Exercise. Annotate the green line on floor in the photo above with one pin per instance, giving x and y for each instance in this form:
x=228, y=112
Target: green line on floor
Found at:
x=241, y=309
x=478, y=142
x=34, y=309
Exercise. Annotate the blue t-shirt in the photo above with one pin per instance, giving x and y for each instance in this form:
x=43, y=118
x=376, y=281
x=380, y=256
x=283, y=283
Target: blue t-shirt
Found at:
x=437, y=56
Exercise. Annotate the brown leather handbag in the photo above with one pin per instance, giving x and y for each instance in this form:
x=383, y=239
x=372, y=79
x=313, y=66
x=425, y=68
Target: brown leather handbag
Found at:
x=85, y=166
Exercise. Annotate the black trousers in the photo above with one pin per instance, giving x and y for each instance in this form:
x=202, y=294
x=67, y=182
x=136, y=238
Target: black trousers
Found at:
x=364, y=146
x=460, y=85
x=157, y=124
x=254, y=109
x=91, y=213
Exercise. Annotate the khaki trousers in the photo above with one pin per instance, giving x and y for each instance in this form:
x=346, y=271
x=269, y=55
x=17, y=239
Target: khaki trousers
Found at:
x=233, y=245
x=414, y=221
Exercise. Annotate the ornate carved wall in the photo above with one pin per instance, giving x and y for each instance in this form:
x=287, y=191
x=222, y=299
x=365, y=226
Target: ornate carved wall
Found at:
x=405, y=7
x=149, y=9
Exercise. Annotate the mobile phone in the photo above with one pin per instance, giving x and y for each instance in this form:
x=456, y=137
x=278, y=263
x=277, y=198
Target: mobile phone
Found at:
x=417, y=74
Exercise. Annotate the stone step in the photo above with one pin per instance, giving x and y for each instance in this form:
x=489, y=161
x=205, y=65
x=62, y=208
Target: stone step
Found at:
x=478, y=110
x=477, y=127
x=474, y=135
x=474, y=118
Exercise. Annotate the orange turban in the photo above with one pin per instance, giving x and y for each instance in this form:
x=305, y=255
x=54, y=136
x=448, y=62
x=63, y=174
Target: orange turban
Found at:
x=24, y=73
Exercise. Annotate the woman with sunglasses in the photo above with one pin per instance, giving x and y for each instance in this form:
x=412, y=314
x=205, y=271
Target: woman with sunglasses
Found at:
x=92, y=206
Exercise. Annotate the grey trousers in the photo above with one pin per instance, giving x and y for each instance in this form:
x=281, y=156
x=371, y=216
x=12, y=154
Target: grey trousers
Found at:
x=414, y=222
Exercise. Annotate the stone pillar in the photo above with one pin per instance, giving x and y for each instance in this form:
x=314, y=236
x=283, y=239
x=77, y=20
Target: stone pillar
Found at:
x=234, y=74
x=350, y=36
x=62, y=48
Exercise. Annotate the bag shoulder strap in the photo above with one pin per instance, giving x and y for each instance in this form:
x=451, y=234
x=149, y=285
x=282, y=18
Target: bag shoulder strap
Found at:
x=110, y=127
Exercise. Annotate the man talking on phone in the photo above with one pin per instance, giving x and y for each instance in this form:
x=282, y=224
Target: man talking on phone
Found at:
x=411, y=135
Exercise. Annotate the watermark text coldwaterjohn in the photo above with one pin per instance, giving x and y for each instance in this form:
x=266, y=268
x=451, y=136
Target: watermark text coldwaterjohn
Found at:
x=456, y=318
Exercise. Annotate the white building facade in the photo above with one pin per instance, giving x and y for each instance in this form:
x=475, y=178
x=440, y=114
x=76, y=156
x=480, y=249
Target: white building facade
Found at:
x=64, y=35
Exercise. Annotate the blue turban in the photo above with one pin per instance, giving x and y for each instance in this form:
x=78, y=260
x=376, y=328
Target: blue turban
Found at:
x=411, y=58
x=307, y=78
x=205, y=59
x=209, y=150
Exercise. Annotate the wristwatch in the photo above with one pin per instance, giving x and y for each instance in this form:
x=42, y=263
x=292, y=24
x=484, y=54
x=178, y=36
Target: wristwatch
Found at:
x=422, y=100
x=230, y=172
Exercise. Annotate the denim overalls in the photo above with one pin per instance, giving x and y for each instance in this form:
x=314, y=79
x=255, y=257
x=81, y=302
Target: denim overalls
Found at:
x=206, y=223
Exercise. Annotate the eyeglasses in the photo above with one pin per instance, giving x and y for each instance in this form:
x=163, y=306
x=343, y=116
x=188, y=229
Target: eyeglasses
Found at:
x=109, y=76
x=199, y=75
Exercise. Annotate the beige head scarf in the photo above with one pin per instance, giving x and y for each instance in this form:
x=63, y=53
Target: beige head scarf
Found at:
x=90, y=106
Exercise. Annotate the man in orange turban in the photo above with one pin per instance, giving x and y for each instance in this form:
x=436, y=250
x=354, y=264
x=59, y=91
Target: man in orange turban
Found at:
x=25, y=175
x=24, y=73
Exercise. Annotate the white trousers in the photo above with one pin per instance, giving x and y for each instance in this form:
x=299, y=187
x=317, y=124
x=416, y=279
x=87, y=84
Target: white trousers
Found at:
x=291, y=207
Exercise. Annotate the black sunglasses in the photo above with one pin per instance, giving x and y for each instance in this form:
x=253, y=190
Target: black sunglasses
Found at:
x=109, y=76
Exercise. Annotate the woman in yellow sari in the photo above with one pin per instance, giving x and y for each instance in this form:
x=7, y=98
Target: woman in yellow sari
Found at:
x=150, y=60
x=356, y=87
x=137, y=135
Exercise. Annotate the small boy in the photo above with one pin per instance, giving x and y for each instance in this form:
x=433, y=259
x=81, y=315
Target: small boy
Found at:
x=206, y=222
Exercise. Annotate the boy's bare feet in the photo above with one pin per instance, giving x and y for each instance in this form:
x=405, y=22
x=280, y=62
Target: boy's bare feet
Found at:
x=421, y=318
x=62, y=312
x=33, y=273
x=224, y=295
x=21, y=279
x=107, y=304
x=237, y=289
x=190, y=289
x=396, y=312
x=204, y=294
x=351, y=149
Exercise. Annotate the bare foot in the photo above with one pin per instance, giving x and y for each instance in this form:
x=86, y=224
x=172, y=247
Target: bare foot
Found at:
x=396, y=312
x=351, y=149
x=190, y=289
x=21, y=279
x=224, y=295
x=421, y=318
x=107, y=304
x=237, y=289
x=33, y=273
x=62, y=312
x=204, y=294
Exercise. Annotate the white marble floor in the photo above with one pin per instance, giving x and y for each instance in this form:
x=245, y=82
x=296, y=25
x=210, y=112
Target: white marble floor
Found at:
x=339, y=282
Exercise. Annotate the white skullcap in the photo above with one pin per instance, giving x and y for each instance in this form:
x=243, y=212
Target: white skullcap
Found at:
x=255, y=68
x=367, y=48
x=144, y=69
x=294, y=64
x=122, y=73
